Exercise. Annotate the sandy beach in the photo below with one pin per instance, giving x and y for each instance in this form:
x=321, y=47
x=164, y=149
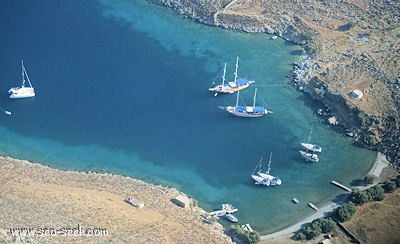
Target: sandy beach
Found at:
x=49, y=202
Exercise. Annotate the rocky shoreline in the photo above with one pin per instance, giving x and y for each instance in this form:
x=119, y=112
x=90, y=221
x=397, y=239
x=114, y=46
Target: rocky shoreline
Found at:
x=350, y=45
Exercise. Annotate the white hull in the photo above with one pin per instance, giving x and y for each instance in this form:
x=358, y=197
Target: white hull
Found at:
x=312, y=147
x=264, y=178
x=309, y=156
x=247, y=113
x=21, y=92
x=273, y=180
x=231, y=218
x=232, y=86
x=229, y=88
x=260, y=180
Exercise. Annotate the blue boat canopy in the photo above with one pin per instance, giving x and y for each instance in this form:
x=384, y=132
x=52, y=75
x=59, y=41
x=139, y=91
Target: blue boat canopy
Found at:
x=242, y=81
x=258, y=109
x=240, y=109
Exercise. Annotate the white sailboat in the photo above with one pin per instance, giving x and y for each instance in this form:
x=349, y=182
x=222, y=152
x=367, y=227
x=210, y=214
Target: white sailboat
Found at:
x=247, y=111
x=311, y=147
x=232, y=86
x=264, y=178
x=259, y=180
x=310, y=156
x=22, y=91
x=274, y=180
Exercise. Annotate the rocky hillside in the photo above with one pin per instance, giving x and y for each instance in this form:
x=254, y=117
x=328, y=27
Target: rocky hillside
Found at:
x=353, y=44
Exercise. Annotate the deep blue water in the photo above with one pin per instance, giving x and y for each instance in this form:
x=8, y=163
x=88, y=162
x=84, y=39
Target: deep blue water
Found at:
x=121, y=86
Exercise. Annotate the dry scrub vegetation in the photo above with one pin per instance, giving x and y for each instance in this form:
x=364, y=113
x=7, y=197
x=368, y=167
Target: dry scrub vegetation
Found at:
x=377, y=222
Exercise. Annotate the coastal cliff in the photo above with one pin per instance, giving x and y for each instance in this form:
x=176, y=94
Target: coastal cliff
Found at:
x=351, y=44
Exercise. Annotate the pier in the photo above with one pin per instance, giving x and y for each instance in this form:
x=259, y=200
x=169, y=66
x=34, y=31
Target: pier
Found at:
x=311, y=205
x=341, y=186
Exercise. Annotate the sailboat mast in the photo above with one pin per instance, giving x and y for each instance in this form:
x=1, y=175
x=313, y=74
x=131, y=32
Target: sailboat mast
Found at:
x=309, y=136
x=236, y=75
x=237, y=98
x=27, y=77
x=259, y=167
x=223, y=76
x=237, y=64
x=23, y=73
x=255, y=95
x=269, y=163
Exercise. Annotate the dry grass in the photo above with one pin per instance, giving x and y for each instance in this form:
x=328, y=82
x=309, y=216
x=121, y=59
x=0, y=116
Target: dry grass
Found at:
x=378, y=222
x=363, y=57
x=35, y=196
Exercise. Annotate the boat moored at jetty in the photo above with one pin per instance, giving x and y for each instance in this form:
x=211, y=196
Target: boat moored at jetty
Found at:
x=226, y=211
x=229, y=208
x=231, y=218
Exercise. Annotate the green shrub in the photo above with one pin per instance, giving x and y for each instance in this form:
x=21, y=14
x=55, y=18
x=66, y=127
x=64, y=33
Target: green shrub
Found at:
x=244, y=235
x=311, y=48
x=324, y=224
x=370, y=179
x=364, y=120
x=318, y=226
x=308, y=35
x=389, y=186
x=359, y=197
x=254, y=237
x=371, y=139
x=345, y=212
x=301, y=236
x=397, y=181
x=376, y=193
x=311, y=233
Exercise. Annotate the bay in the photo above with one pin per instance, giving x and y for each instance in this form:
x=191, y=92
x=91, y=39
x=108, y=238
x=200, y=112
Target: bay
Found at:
x=121, y=86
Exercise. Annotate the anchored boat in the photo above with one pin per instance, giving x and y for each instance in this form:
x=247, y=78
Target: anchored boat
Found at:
x=22, y=91
x=247, y=111
x=309, y=156
x=264, y=178
x=232, y=86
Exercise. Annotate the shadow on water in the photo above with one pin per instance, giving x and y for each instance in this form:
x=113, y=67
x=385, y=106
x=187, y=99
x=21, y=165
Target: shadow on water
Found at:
x=298, y=52
x=358, y=182
x=341, y=198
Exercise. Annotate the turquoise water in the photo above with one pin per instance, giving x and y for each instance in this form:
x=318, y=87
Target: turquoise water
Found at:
x=122, y=87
